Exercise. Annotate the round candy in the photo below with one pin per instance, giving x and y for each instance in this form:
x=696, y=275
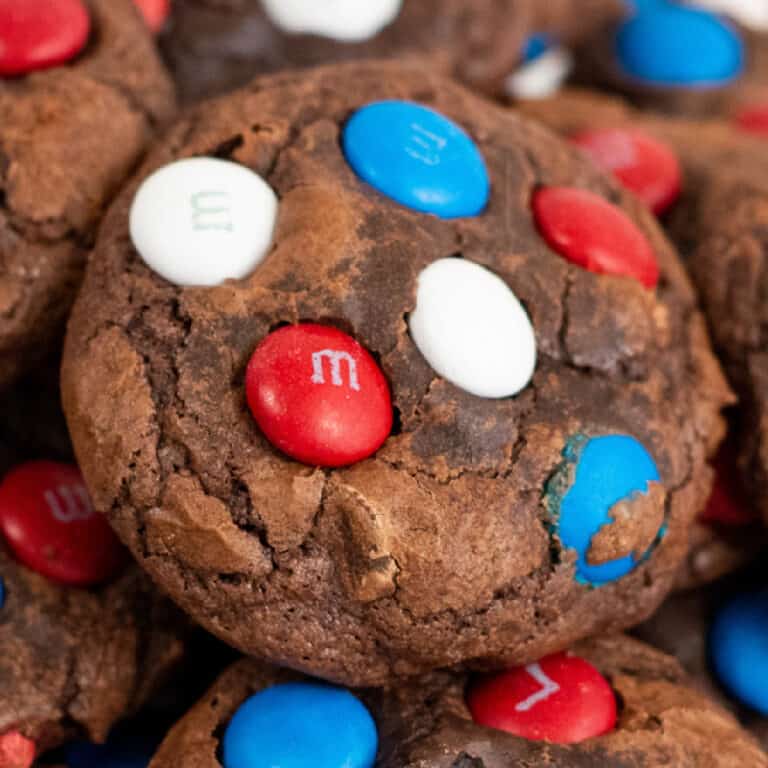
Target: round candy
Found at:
x=301, y=725
x=417, y=157
x=606, y=504
x=16, y=750
x=750, y=13
x=472, y=329
x=671, y=45
x=318, y=396
x=35, y=34
x=644, y=165
x=201, y=221
x=727, y=504
x=344, y=20
x=587, y=230
x=545, y=68
x=562, y=699
x=155, y=12
x=754, y=120
x=50, y=525
x=738, y=646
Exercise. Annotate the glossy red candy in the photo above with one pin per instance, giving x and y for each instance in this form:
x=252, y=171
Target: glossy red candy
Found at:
x=754, y=120
x=562, y=699
x=16, y=751
x=727, y=503
x=35, y=34
x=155, y=12
x=643, y=164
x=318, y=396
x=50, y=525
x=587, y=230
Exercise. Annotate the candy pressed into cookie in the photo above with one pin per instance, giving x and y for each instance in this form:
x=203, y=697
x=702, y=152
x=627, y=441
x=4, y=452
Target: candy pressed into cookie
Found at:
x=397, y=380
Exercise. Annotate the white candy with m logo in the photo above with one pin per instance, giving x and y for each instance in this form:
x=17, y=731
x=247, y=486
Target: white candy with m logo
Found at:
x=201, y=221
x=344, y=20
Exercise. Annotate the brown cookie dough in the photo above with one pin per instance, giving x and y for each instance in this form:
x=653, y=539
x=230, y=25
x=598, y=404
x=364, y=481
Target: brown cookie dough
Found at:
x=438, y=549
x=724, y=170
x=72, y=661
x=69, y=136
x=215, y=45
x=663, y=720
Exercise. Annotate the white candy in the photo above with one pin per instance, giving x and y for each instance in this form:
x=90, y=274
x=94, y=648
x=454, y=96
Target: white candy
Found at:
x=344, y=20
x=202, y=221
x=542, y=77
x=750, y=13
x=472, y=330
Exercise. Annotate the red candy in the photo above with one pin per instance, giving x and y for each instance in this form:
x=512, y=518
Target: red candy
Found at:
x=16, y=751
x=644, y=165
x=589, y=231
x=318, y=395
x=727, y=505
x=562, y=699
x=35, y=34
x=155, y=12
x=754, y=120
x=51, y=526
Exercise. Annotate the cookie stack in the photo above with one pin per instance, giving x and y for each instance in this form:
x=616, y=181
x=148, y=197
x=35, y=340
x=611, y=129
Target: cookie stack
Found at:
x=392, y=362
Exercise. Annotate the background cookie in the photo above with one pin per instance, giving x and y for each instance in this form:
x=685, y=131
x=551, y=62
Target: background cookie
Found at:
x=663, y=718
x=464, y=537
x=61, y=164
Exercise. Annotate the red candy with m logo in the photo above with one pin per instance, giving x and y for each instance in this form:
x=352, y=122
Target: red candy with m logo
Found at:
x=49, y=523
x=318, y=396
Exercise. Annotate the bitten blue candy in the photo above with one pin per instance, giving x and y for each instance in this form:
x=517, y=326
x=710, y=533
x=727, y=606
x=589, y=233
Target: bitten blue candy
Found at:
x=596, y=475
x=738, y=646
x=535, y=46
x=301, y=725
x=672, y=45
x=417, y=157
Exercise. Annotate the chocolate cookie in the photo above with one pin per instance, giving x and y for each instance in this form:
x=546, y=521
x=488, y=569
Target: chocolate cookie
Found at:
x=215, y=45
x=661, y=720
x=683, y=57
x=722, y=169
x=83, y=636
x=358, y=458
x=81, y=91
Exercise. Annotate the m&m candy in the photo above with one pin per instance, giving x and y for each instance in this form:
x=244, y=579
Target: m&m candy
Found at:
x=16, y=750
x=603, y=482
x=301, y=725
x=727, y=504
x=592, y=233
x=472, y=329
x=738, y=645
x=562, y=699
x=643, y=164
x=545, y=67
x=36, y=34
x=155, y=12
x=417, y=157
x=318, y=395
x=753, y=119
x=51, y=527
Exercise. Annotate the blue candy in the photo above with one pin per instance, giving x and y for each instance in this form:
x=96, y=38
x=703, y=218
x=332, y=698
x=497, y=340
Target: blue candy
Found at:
x=604, y=471
x=674, y=45
x=301, y=725
x=535, y=46
x=738, y=647
x=2, y=593
x=84, y=755
x=417, y=157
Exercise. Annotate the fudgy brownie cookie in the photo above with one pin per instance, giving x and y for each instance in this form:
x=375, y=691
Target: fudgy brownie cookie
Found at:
x=613, y=702
x=73, y=659
x=683, y=57
x=717, y=169
x=434, y=418
x=215, y=45
x=81, y=90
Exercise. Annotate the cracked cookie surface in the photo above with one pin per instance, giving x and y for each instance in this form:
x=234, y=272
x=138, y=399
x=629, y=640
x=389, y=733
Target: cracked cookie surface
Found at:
x=59, y=166
x=439, y=549
x=663, y=720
